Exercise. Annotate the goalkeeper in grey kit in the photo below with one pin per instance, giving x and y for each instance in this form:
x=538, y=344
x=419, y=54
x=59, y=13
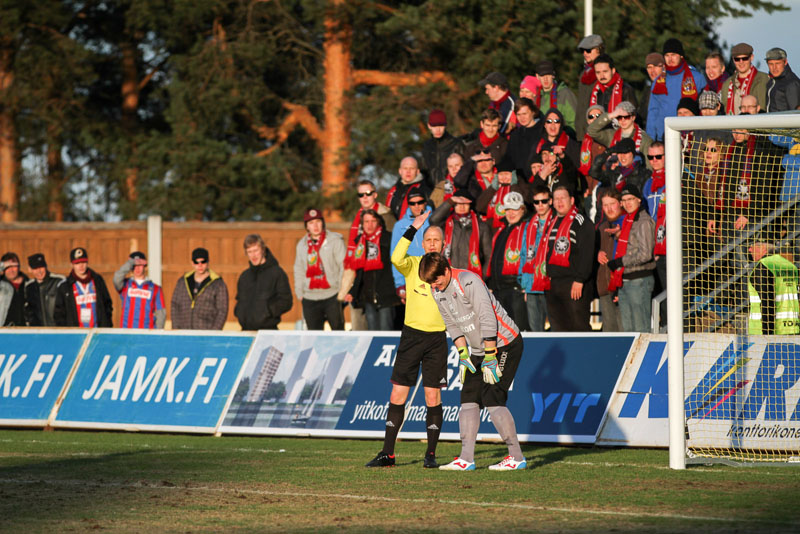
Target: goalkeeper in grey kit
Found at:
x=486, y=339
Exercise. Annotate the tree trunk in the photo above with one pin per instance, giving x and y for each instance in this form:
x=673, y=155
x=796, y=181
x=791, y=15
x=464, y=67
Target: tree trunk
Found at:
x=55, y=176
x=130, y=104
x=8, y=146
x=336, y=133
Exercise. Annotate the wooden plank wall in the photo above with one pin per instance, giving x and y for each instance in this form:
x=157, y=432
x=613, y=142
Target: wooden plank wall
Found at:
x=108, y=246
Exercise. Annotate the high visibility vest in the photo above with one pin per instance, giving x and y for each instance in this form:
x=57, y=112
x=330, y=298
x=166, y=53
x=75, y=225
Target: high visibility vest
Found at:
x=787, y=307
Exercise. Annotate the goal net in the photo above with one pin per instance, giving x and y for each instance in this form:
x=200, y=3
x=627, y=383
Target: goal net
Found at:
x=732, y=290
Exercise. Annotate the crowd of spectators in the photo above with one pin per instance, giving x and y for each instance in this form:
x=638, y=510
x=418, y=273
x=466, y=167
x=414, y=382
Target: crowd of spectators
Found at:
x=557, y=198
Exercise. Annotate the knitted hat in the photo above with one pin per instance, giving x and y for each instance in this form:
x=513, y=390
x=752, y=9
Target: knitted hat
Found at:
x=672, y=46
x=631, y=189
x=437, y=118
x=690, y=104
x=531, y=83
x=627, y=107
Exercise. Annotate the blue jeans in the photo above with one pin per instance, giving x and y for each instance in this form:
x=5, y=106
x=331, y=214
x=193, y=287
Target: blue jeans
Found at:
x=537, y=311
x=634, y=304
x=379, y=318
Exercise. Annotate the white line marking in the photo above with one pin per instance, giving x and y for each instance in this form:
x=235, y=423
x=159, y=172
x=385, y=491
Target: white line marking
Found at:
x=344, y=496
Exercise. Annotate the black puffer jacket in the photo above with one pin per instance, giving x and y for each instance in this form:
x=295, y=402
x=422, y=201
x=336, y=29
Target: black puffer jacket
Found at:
x=263, y=294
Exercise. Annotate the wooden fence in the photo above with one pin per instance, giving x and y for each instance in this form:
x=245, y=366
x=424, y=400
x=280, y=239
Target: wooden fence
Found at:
x=108, y=246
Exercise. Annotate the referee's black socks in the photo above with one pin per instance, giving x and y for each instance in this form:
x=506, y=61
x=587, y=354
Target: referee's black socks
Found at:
x=394, y=420
x=433, y=422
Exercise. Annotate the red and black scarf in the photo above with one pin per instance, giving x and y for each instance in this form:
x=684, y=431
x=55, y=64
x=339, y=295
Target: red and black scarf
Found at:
x=745, y=84
x=615, y=85
x=536, y=264
x=496, y=212
x=588, y=77
x=660, y=248
x=553, y=96
x=561, y=141
x=512, y=252
x=561, y=258
x=688, y=85
x=615, y=281
x=636, y=137
x=372, y=248
x=483, y=182
x=315, y=271
x=742, y=197
x=586, y=155
x=474, y=241
x=404, y=205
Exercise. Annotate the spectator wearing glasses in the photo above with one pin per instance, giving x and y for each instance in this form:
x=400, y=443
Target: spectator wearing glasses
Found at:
x=555, y=94
x=318, y=262
x=783, y=89
x=532, y=272
x=368, y=200
x=654, y=64
x=417, y=205
x=655, y=202
x=438, y=148
x=715, y=72
x=200, y=299
x=679, y=80
x=142, y=299
x=555, y=133
x=623, y=118
x=591, y=47
x=747, y=80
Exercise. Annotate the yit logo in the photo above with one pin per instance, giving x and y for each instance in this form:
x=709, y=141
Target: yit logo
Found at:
x=560, y=406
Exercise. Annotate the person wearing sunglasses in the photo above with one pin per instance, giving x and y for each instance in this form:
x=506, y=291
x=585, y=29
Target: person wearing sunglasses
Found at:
x=610, y=128
x=747, y=80
x=417, y=205
x=679, y=80
x=564, y=146
x=142, y=299
x=200, y=299
x=590, y=47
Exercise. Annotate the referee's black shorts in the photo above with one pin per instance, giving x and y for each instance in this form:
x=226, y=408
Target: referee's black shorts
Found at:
x=418, y=348
x=483, y=394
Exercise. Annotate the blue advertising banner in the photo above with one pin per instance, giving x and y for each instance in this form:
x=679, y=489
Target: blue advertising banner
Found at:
x=154, y=381
x=560, y=393
x=34, y=366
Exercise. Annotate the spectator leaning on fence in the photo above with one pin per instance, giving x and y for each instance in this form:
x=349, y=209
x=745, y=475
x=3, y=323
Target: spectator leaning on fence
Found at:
x=142, y=299
x=40, y=293
x=83, y=298
x=200, y=299
x=318, y=263
x=262, y=293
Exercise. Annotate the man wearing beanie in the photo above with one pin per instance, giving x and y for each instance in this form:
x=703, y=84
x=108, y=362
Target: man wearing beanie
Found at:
x=40, y=293
x=12, y=291
x=679, y=80
x=83, y=298
x=555, y=94
x=438, y=148
x=747, y=80
x=142, y=299
x=200, y=299
x=318, y=263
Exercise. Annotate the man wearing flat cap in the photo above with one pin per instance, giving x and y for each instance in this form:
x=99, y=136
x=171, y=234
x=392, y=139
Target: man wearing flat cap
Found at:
x=591, y=46
x=142, y=299
x=783, y=88
x=654, y=64
x=318, y=263
x=679, y=80
x=41, y=292
x=747, y=80
x=496, y=87
x=200, y=299
x=83, y=298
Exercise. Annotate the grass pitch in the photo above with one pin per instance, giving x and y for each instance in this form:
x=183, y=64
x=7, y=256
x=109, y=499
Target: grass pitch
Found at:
x=117, y=482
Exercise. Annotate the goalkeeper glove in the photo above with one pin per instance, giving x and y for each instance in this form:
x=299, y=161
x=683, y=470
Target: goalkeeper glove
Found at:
x=491, y=373
x=464, y=363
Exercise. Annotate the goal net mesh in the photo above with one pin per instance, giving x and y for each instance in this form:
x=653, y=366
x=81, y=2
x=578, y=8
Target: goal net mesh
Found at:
x=740, y=193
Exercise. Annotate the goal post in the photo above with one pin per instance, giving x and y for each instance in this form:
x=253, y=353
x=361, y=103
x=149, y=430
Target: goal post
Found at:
x=712, y=350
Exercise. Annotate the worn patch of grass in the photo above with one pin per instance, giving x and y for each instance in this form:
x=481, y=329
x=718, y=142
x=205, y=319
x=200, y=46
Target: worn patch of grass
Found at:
x=82, y=481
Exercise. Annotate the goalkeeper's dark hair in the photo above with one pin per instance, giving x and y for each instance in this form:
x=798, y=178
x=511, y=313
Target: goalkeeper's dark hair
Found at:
x=432, y=266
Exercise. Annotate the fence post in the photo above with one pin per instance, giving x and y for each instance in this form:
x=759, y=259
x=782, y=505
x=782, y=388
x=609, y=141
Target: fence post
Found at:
x=154, y=266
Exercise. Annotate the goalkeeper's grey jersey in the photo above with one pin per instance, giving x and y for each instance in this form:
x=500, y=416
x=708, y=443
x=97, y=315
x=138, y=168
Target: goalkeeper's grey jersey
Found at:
x=470, y=310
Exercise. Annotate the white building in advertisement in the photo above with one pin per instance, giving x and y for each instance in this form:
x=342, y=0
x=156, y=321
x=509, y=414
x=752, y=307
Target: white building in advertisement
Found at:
x=306, y=369
x=335, y=375
x=263, y=373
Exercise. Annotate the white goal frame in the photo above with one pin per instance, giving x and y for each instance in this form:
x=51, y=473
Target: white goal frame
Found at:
x=672, y=146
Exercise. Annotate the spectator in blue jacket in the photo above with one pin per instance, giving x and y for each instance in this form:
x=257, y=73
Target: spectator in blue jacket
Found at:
x=417, y=205
x=679, y=80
